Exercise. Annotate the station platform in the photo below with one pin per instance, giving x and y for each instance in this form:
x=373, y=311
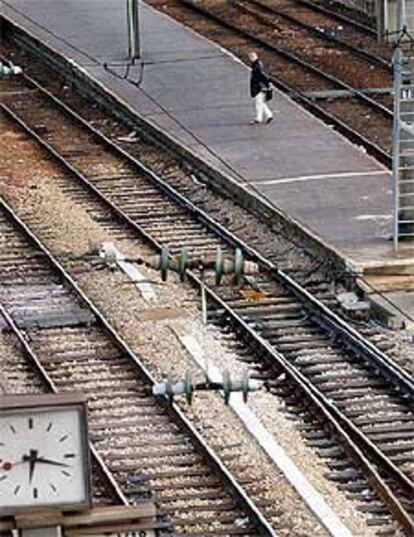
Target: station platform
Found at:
x=198, y=94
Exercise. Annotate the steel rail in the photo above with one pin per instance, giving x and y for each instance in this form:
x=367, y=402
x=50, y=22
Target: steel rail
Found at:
x=343, y=328
x=339, y=16
x=291, y=57
x=228, y=480
x=355, y=443
x=321, y=404
x=354, y=448
x=319, y=33
x=327, y=319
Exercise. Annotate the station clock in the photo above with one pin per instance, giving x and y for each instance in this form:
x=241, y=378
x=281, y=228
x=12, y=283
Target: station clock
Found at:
x=44, y=453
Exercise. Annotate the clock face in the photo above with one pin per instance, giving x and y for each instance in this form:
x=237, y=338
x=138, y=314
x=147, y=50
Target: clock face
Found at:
x=42, y=457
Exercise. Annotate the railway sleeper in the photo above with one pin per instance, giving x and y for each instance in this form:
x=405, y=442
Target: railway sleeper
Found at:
x=313, y=340
x=53, y=320
x=380, y=521
x=372, y=508
x=176, y=466
x=298, y=330
x=353, y=394
x=163, y=451
x=172, y=233
x=201, y=483
x=135, y=404
x=165, y=475
x=195, y=507
x=222, y=519
x=69, y=359
x=331, y=452
x=404, y=460
x=131, y=422
x=372, y=407
x=328, y=355
x=207, y=494
x=267, y=301
x=399, y=448
x=154, y=439
x=120, y=391
x=339, y=464
x=236, y=532
x=344, y=476
x=315, y=369
x=391, y=433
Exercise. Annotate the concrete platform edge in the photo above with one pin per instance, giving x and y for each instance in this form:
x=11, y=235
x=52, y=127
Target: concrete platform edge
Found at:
x=218, y=180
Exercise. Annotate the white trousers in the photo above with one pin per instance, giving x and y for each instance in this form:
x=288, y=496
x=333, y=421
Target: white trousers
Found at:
x=262, y=110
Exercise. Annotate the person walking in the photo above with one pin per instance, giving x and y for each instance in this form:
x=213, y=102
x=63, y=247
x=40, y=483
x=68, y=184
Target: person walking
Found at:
x=259, y=83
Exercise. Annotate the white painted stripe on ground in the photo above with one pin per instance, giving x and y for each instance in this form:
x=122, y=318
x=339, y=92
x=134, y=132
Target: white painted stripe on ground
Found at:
x=306, y=490
x=317, y=177
x=143, y=286
x=109, y=251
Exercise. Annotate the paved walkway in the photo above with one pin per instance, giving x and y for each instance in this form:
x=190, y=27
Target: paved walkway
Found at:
x=198, y=93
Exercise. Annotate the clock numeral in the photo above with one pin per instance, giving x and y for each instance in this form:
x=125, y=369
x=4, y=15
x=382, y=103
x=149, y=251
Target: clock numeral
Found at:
x=69, y=456
x=30, y=423
x=63, y=438
x=35, y=493
x=16, y=490
x=49, y=427
x=52, y=486
x=64, y=472
x=13, y=430
x=3, y=477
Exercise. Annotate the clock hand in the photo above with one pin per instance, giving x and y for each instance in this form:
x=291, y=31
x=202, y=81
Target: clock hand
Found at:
x=54, y=463
x=32, y=459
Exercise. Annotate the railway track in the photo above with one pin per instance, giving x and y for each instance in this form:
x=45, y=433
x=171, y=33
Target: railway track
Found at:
x=340, y=13
x=145, y=447
x=325, y=27
x=18, y=377
x=306, y=67
x=353, y=389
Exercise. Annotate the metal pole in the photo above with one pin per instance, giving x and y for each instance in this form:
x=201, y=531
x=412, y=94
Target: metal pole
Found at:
x=396, y=162
x=380, y=7
x=395, y=141
x=134, y=44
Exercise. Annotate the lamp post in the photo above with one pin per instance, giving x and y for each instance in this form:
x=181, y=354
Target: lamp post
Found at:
x=134, y=44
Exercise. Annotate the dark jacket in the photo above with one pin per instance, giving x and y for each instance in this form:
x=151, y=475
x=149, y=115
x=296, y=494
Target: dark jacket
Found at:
x=258, y=79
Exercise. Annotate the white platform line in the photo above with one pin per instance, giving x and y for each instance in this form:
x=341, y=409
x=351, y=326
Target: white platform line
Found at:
x=141, y=282
x=332, y=175
x=313, y=499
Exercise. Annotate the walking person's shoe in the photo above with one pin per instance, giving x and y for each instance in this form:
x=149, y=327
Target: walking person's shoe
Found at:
x=254, y=122
x=269, y=119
